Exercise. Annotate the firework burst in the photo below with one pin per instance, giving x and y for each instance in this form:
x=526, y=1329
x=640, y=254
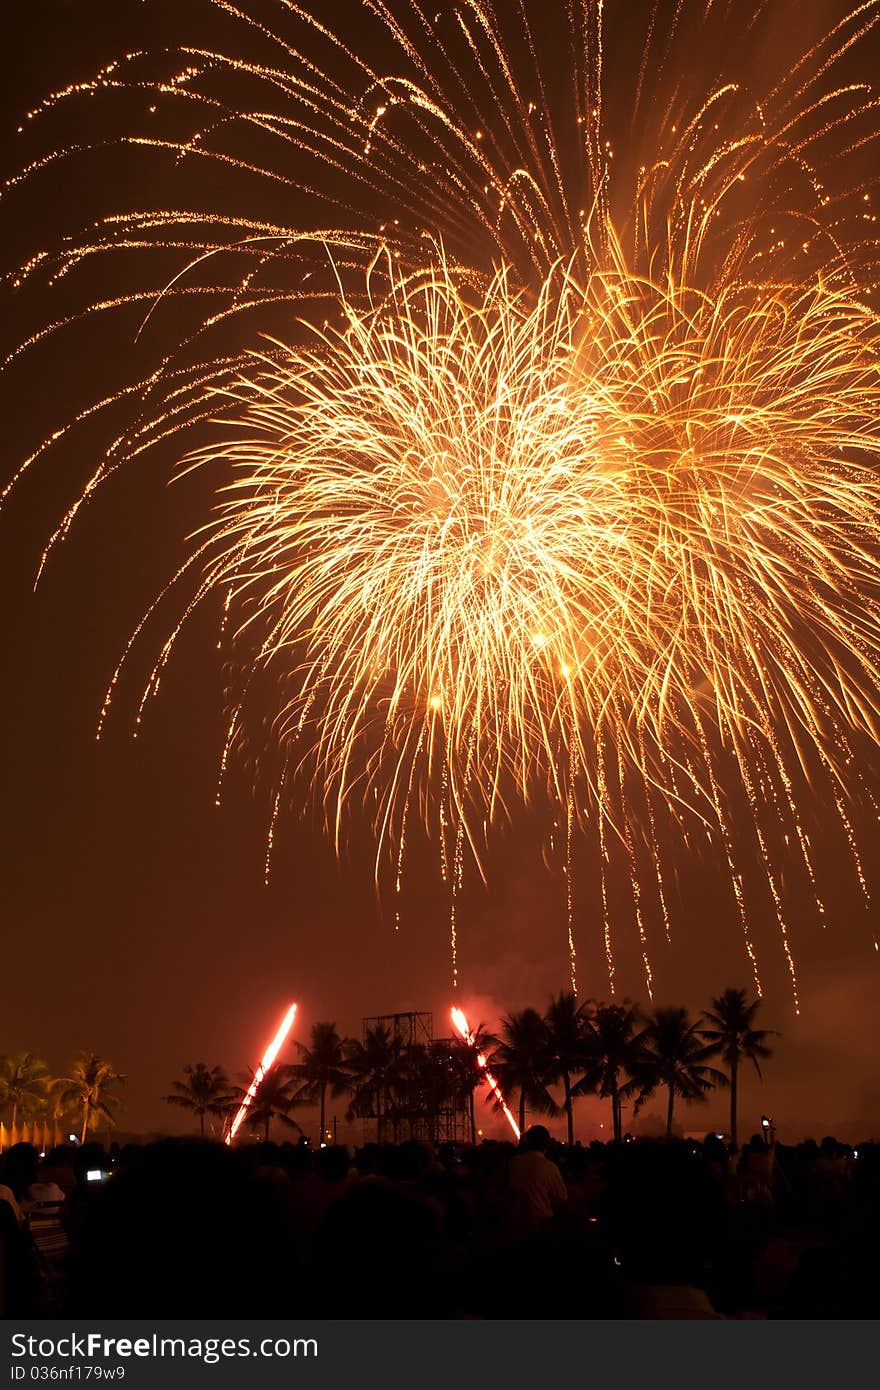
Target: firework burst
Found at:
x=598, y=525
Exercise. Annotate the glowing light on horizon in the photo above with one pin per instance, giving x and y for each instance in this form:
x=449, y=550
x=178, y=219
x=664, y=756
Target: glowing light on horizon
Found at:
x=266, y=1064
x=462, y=1028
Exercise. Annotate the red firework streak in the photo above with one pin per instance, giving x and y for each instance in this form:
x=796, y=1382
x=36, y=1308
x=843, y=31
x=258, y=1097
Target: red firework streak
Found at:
x=269, y=1056
x=462, y=1028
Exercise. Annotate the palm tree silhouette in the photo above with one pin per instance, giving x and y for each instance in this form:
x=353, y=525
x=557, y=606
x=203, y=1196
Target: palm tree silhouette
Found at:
x=321, y=1067
x=89, y=1089
x=675, y=1055
x=566, y=1022
x=375, y=1065
x=24, y=1084
x=521, y=1062
x=732, y=1037
x=614, y=1047
x=204, y=1092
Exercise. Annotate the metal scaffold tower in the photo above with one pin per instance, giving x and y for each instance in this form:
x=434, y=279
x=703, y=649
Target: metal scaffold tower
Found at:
x=409, y=1088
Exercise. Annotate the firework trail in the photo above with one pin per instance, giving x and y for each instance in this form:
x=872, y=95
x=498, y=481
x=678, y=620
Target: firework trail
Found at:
x=266, y=1064
x=462, y=1028
x=562, y=487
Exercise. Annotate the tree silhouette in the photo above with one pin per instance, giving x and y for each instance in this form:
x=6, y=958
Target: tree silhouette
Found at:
x=614, y=1047
x=204, y=1092
x=675, y=1055
x=322, y=1067
x=376, y=1066
x=732, y=1037
x=522, y=1064
x=566, y=1022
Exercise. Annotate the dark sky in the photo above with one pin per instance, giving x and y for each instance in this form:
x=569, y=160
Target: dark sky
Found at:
x=137, y=921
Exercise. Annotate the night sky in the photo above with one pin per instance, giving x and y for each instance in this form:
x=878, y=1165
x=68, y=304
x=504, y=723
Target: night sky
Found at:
x=137, y=921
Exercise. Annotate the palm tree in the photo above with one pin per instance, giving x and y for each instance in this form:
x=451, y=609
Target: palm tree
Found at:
x=375, y=1066
x=566, y=1022
x=675, y=1056
x=732, y=1037
x=275, y=1097
x=321, y=1067
x=521, y=1061
x=614, y=1056
x=24, y=1084
x=89, y=1089
x=204, y=1092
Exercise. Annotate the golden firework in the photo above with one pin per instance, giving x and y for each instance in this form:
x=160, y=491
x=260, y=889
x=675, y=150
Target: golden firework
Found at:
x=539, y=499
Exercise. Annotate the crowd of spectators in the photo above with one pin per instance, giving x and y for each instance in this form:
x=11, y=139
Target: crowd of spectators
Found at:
x=642, y=1228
